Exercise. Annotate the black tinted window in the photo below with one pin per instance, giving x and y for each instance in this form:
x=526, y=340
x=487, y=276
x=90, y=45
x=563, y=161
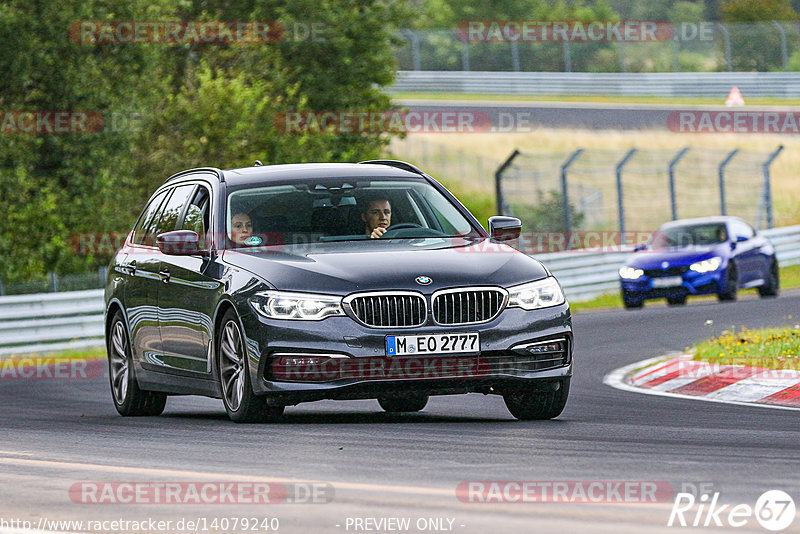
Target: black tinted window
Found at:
x=147, y=217
x=173, y=209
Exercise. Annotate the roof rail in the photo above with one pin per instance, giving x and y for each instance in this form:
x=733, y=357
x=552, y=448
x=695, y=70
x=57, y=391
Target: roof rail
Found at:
x=395, y=163
x=213, y=170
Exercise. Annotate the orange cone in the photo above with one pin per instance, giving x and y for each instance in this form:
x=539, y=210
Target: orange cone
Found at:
x=735, y=98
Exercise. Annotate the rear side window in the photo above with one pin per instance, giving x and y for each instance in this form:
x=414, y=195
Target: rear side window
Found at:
x=173, y=210
x=197, y=218
x=147, y=217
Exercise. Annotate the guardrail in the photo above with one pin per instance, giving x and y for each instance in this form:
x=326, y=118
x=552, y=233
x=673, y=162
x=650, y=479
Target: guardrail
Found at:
x=712, y=84
x=57, y=321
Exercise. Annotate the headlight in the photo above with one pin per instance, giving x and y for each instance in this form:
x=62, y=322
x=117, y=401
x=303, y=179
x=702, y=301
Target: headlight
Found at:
x=711, y=264
x=629, y=273
x=296, y=306
x=541, y=294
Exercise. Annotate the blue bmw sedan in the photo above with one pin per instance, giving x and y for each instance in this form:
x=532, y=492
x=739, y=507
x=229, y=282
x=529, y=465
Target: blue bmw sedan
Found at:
x=703, y=256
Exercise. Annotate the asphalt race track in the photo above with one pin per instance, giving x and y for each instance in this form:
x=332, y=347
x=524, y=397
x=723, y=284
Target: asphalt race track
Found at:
x=55, y=433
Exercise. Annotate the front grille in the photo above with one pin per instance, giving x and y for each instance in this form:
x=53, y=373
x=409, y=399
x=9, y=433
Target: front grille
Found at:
x=669, y=271
x=467, y=306
x=391, y=309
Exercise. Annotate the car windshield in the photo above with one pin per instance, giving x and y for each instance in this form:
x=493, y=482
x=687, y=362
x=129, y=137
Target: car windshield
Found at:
x=689, y=235
x=340, y=209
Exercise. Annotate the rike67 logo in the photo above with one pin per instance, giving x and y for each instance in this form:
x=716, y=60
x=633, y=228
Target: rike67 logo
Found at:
x=774, y=510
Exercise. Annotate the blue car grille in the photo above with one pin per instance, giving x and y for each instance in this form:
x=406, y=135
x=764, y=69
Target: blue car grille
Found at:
x=669, y=271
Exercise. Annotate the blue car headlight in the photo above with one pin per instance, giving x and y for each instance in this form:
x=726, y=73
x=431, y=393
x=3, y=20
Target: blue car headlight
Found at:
x=535, y=295
x=705, y=266
x=296, y=306
x=630, y=273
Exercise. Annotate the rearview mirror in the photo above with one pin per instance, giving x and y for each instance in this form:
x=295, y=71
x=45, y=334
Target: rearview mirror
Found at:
x=180, y=243
x=502, y=228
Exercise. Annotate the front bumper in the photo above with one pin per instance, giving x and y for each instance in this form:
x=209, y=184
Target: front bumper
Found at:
x=497, y=368
x=692, y=283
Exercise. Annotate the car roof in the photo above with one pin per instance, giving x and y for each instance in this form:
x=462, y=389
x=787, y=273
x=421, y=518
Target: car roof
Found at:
x=701, y=220
x=305, y=171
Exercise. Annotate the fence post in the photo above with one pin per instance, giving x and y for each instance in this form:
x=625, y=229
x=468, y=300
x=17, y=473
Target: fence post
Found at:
x=620, y=196
x=515, y=56
x=2, y=287
x=498, y=188
x=623, y=63
x=672, y=165
x=465, y=56
x=784, y=48
x=726, y=39
x=565, y=189
x=102, y=273
x=415, y=57
x=53, y=281
x=567, y=57
x=721, y=174
x=676, y=53
x=768, y=186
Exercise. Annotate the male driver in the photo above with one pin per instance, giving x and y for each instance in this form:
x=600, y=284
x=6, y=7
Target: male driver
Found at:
x=377, y=217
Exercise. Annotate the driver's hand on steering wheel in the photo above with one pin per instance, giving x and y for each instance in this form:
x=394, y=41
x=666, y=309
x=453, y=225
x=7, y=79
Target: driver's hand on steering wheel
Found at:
x=377, y=232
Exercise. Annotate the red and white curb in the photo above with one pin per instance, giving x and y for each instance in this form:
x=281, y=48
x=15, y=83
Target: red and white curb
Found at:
x=682, y=377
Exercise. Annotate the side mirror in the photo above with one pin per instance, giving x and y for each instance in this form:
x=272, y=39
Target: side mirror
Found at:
x=503, y=228
x=740, y=238
x=180, y=243
x=640, y=247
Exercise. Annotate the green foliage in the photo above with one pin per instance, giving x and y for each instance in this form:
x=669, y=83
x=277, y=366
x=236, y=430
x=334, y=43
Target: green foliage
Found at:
x=547, y=213
x=167, y=107
x=758, y=11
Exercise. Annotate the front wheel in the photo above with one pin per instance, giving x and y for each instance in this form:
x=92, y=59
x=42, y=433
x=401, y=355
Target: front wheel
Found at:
x=731, y=284
x=676, y=301
x=631, y=303
x=241, y=404
x=772, y=286
x=535, y=405
x=405, y=403
x=129, y=399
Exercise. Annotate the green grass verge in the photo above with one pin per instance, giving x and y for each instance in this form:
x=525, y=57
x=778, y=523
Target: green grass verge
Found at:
x=753, y=101
x=773, y=348
x=789, y=275
x=86, y=354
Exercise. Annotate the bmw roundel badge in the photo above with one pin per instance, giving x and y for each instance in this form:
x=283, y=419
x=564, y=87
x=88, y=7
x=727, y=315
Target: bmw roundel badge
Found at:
x=424, y=280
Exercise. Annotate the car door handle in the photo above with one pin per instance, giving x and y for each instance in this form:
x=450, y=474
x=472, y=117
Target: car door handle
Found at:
x=164, y=276
x=131, y=267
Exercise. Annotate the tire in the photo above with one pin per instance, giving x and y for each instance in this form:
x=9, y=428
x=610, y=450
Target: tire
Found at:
x=129, y=399
x=405, y=403
x=771, y=287
x=236, y=389
x=676, y=301
x=731, y=284
x=537, y=405
x=631, y=303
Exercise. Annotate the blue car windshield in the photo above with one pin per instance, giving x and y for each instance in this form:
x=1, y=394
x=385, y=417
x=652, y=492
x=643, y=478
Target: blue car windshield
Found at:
x=340, y=209
x=690, y=235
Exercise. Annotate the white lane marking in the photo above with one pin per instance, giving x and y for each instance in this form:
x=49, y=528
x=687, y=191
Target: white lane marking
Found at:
x=616, y=379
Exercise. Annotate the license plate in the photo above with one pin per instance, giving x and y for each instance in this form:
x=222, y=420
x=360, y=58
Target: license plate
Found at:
x=667, y=281
x=433, y=344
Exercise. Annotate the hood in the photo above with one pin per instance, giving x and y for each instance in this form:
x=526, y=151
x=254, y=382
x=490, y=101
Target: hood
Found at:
x=676, y=256
x=369, y=265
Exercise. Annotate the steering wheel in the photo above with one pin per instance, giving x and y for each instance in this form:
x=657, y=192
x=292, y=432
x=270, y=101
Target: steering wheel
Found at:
x=400, y=226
